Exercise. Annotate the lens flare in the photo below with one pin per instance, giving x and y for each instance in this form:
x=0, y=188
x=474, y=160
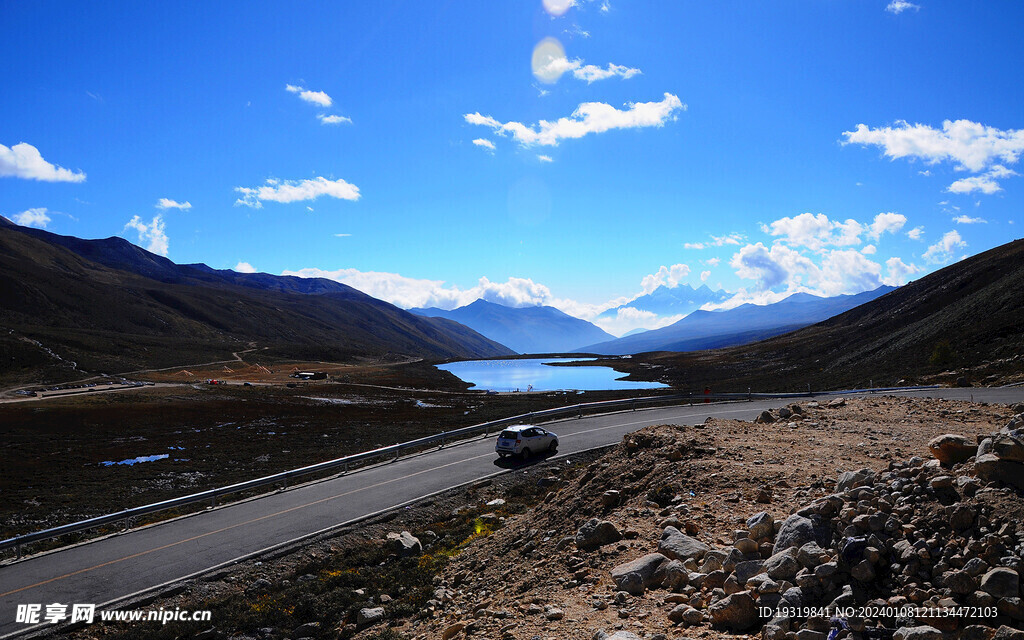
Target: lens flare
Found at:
x=549, y=61
x=557, y=7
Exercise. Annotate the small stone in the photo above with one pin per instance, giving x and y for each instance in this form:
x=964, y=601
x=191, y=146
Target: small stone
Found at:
x=452, y=630
x=923, y=632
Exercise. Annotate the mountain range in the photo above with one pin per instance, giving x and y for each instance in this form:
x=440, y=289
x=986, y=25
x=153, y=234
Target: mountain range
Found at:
x=965, y=315
x=527, y=329
x=740, y=325
x=110, y=306
x=666, y=301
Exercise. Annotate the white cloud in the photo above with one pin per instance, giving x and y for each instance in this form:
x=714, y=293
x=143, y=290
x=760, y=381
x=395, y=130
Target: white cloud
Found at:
x=325, y=119
x=151, y=234
x=544, y=158
x=942, y=251
x=592, y=73
x=295, y=190
x=969, y=220
x=915, y=233
x=985, y=183
x=899, y=6
x=886, y=223
x=245, y=267
x=32, y=218
x=899, y=272
x=589, y=73
x=485, y=143
x=343, y=235
x=670, y=277
x=848, y=271
x=770, y=268
x=815, y=231
x=869, y=250
x=589, y=117
x=577, y=30
x=314, y=97
x=24, y=161
x=971, y=146
x=704, y=275
x=782, y=271
x=712, y=262
x=732, y=238
x=167, y=203
x=693, y=245
x=628, y=318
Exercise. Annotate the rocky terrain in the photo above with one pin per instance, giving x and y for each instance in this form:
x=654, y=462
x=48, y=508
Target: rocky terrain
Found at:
x=644, y=544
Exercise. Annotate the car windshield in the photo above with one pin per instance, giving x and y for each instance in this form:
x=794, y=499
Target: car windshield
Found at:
x=509, y=435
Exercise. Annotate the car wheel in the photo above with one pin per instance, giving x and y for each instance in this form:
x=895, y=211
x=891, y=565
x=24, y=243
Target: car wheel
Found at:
x=553, y=447
x=526, y=453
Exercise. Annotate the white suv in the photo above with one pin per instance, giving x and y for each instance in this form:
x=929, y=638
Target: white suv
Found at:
x=524, y=440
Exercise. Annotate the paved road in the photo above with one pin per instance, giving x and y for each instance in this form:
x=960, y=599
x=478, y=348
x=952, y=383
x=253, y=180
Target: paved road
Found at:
x=111, y=569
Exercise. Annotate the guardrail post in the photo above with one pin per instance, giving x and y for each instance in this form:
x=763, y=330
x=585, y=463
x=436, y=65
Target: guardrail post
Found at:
x=396, y=455
x=749, y=398
x=632, y=403
x=286, y=482
x=213, y=501
x=19, y=551
x=344, y=468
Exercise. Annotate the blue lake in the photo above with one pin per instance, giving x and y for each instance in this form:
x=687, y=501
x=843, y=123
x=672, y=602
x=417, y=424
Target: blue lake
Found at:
x=513, y=375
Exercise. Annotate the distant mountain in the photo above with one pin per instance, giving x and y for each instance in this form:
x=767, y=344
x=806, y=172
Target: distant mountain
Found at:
x=110, y=306
x=635, y=332
x=524, y=329
x=740, y=325
x=680, y=300
x=964, y=315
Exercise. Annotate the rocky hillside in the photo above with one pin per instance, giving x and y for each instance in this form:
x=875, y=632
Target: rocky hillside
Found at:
x=735, y=527
x=964, y=315
x=82, y=307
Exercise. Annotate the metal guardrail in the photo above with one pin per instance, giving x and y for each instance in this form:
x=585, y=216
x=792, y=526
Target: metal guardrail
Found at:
x=282, y=478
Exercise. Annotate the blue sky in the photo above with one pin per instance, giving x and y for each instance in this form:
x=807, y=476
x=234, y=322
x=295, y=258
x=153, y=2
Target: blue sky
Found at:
x=769, y=147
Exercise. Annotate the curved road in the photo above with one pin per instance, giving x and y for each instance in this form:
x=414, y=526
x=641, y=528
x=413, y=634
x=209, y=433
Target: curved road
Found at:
x=111, y=569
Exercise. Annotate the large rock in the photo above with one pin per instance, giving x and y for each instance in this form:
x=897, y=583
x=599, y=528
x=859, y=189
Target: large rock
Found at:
x=951, y=448
x=761, y=525
x=369, y=616
x=765, y=417
x=782, y=565
x=596, y=533
x=649, y=569
x=404, y=544
x=851, y=479
x=994, y=469
x=1009, y=445
x=1001, y=582
x=677, y=545
x=797, y=531
x=736, y=612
